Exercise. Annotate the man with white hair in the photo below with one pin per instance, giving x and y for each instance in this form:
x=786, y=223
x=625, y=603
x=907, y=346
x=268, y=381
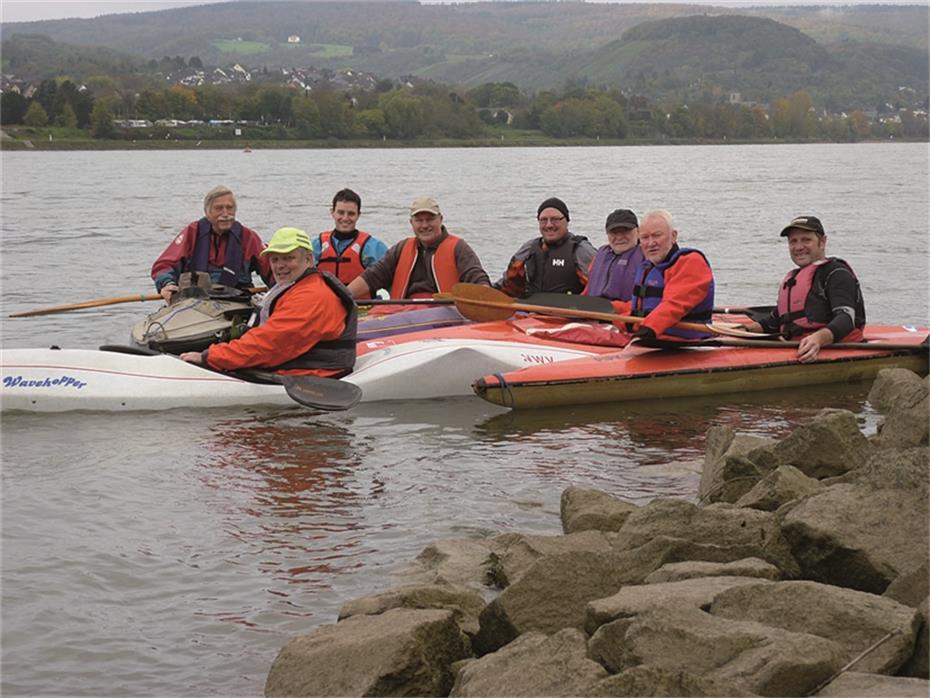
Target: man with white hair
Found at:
x=216, y=244
x=674, y=284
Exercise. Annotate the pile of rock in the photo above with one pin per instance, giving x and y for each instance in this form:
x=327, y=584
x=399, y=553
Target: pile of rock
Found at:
x=804, y=569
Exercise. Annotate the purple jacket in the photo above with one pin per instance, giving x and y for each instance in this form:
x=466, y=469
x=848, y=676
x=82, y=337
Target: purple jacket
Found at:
x=613, y=275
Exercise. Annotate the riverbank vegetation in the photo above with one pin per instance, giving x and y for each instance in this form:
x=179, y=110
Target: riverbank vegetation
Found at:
x=61, y=115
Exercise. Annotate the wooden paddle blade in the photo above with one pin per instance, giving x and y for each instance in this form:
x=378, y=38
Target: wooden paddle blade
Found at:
x=482, y=303
x=754, y=312
x=319, y=393
x=735, y=329
x=481, y=313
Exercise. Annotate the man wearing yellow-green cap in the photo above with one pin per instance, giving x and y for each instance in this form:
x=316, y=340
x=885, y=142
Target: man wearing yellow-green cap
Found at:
x=307, y=322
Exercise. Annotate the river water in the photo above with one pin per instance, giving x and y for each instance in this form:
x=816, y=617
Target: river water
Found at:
x=173, y=554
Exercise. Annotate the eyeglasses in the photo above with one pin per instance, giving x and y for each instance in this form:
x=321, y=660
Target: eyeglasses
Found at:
x=547, y=221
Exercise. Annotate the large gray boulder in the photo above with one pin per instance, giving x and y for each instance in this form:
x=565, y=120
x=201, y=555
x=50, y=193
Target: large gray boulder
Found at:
x=532, y=665
x=919, y=663
x=550, y=596
x=646, y=680
x=466, y=562
x=515, y=553
x=747, y=567
x=896, y=386
x=747, y=656
x=853, y=619
x=399, y=652
x=828, y=445
x=853, y=684
x=784, y=484
x=912, y=589
x=465, y=604
x=757, y=533
x=728, y=472
x=584, y=509
x=907, y=421
x=632, y=600
x=865, y=530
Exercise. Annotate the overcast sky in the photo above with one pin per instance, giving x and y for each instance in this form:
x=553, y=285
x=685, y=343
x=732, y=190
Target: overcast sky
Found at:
x=27, y=10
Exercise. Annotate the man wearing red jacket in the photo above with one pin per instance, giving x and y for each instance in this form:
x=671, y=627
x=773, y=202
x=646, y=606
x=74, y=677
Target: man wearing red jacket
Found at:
x=217, y=244
x=307, y=323
x=674, y=284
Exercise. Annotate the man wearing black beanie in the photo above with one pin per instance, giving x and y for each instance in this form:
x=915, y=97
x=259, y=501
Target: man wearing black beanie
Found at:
x=556, y=262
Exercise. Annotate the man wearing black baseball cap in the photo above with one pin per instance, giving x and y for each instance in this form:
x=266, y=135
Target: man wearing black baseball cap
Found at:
x=613, y=271
x=820, y=301
x=557, y=261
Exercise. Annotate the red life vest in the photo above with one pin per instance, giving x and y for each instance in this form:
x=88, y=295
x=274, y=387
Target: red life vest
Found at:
x=442, y=265
x=346, y=265
x=793, y=293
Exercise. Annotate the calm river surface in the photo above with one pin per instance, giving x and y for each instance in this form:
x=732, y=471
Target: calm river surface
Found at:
x=173, y=554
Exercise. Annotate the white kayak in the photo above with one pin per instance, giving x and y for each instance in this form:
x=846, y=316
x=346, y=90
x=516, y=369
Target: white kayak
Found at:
x=407, y=367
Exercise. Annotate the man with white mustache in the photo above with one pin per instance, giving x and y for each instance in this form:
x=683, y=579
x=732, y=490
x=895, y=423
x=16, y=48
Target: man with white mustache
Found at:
x=216, y=244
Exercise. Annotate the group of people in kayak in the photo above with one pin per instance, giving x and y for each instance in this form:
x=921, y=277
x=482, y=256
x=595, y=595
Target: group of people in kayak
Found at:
x=308, y=318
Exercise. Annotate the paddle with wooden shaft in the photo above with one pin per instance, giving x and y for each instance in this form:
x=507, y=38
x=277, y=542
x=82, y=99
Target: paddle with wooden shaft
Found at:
x=437, y=299
x=99, y=302
x=770, y=344
x=486, y=304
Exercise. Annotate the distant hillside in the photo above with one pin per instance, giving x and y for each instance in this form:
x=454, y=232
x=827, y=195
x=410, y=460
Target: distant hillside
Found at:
x=37, y=56
x=850, y=56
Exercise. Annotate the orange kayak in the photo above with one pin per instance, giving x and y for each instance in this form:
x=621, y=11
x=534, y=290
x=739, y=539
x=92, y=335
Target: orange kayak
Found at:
x=718, y=367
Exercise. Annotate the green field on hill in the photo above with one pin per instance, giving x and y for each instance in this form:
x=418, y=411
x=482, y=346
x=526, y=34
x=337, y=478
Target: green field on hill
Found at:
x=246, y=48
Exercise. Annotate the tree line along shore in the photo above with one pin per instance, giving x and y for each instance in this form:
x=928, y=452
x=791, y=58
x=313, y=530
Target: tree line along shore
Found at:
x=63, y=115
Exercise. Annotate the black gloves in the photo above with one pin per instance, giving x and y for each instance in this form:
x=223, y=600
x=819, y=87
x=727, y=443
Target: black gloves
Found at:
x=644, y=333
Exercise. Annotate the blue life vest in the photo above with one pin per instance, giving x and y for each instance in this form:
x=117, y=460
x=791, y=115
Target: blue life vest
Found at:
x=647, y=293
x=614, y=275
x=231, y=273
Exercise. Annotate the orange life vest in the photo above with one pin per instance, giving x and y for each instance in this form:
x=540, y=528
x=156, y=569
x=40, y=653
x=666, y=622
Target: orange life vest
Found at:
x=442, y=266
x=346, y=265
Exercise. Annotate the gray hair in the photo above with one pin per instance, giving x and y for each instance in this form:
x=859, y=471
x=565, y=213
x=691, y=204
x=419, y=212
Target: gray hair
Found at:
x=215, y=194
x=660, y=213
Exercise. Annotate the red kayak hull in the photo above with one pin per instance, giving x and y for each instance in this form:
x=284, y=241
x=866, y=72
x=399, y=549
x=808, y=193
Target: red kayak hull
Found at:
x=637, y=373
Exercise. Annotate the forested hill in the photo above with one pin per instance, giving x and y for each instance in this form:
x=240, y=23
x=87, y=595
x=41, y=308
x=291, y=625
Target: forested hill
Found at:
x=850, y=56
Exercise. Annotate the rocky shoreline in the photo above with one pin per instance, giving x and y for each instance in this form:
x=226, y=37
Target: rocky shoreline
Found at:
x=802, y=571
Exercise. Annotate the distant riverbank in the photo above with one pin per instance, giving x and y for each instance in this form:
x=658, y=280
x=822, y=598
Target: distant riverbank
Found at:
x=48, y=139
